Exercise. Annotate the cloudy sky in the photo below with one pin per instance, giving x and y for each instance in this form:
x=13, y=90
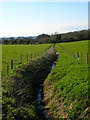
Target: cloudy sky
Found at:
x=34, y=18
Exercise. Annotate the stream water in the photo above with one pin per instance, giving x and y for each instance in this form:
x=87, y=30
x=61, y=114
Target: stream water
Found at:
x=40, y=95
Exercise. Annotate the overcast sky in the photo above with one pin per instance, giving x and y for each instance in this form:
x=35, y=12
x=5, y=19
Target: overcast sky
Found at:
x=34, y=18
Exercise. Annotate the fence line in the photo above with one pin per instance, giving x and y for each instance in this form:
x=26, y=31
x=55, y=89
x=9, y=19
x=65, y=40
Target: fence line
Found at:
x=10, y=66
x=78, y=56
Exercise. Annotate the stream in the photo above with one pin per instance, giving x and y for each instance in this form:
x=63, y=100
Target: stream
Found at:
x=40, y=95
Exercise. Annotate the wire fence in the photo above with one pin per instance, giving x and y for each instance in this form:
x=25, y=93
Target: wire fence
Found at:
x=17, y=62
x=77, y=55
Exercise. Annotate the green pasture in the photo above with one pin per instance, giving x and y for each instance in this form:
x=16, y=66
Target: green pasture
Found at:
x=69, y=83
x=15, y=52
x=74, y=47
x=68, y=80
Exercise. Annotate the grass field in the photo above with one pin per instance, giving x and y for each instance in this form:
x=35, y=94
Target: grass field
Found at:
x=66, y=87
x=74, y=47
x=15, y=52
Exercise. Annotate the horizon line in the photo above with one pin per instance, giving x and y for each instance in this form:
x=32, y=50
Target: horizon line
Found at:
x=44, y=33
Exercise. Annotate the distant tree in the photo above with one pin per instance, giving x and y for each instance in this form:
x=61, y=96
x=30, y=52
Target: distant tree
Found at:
x=53, y=38
x=40, y=42
x=0, y=41
x=43, y=36
x=80, y=36
x=28, y=41
x=14, y=42
x=5, y=41
x=89, y=34
x=58, y=38
x=20, y=41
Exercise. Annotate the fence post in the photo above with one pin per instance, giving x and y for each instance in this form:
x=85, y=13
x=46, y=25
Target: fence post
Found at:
x=78, y=55
x=7, y=70
x=87, y=58
x=11, y=64
x=27, y=58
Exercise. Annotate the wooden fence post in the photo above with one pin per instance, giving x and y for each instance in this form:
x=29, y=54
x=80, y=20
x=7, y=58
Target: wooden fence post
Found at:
x=11, y=64
x=78, y=55
x=87, y=58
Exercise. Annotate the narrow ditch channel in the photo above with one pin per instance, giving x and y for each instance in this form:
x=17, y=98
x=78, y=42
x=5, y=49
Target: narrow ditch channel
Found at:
x=40, y=96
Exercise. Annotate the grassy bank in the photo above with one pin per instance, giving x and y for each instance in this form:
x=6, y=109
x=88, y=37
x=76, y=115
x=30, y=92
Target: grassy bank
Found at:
x=66, y=88
x=20, y=99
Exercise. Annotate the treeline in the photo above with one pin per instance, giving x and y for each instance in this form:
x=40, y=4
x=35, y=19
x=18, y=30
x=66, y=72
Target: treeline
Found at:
x=75, y=36
x=45, y=38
